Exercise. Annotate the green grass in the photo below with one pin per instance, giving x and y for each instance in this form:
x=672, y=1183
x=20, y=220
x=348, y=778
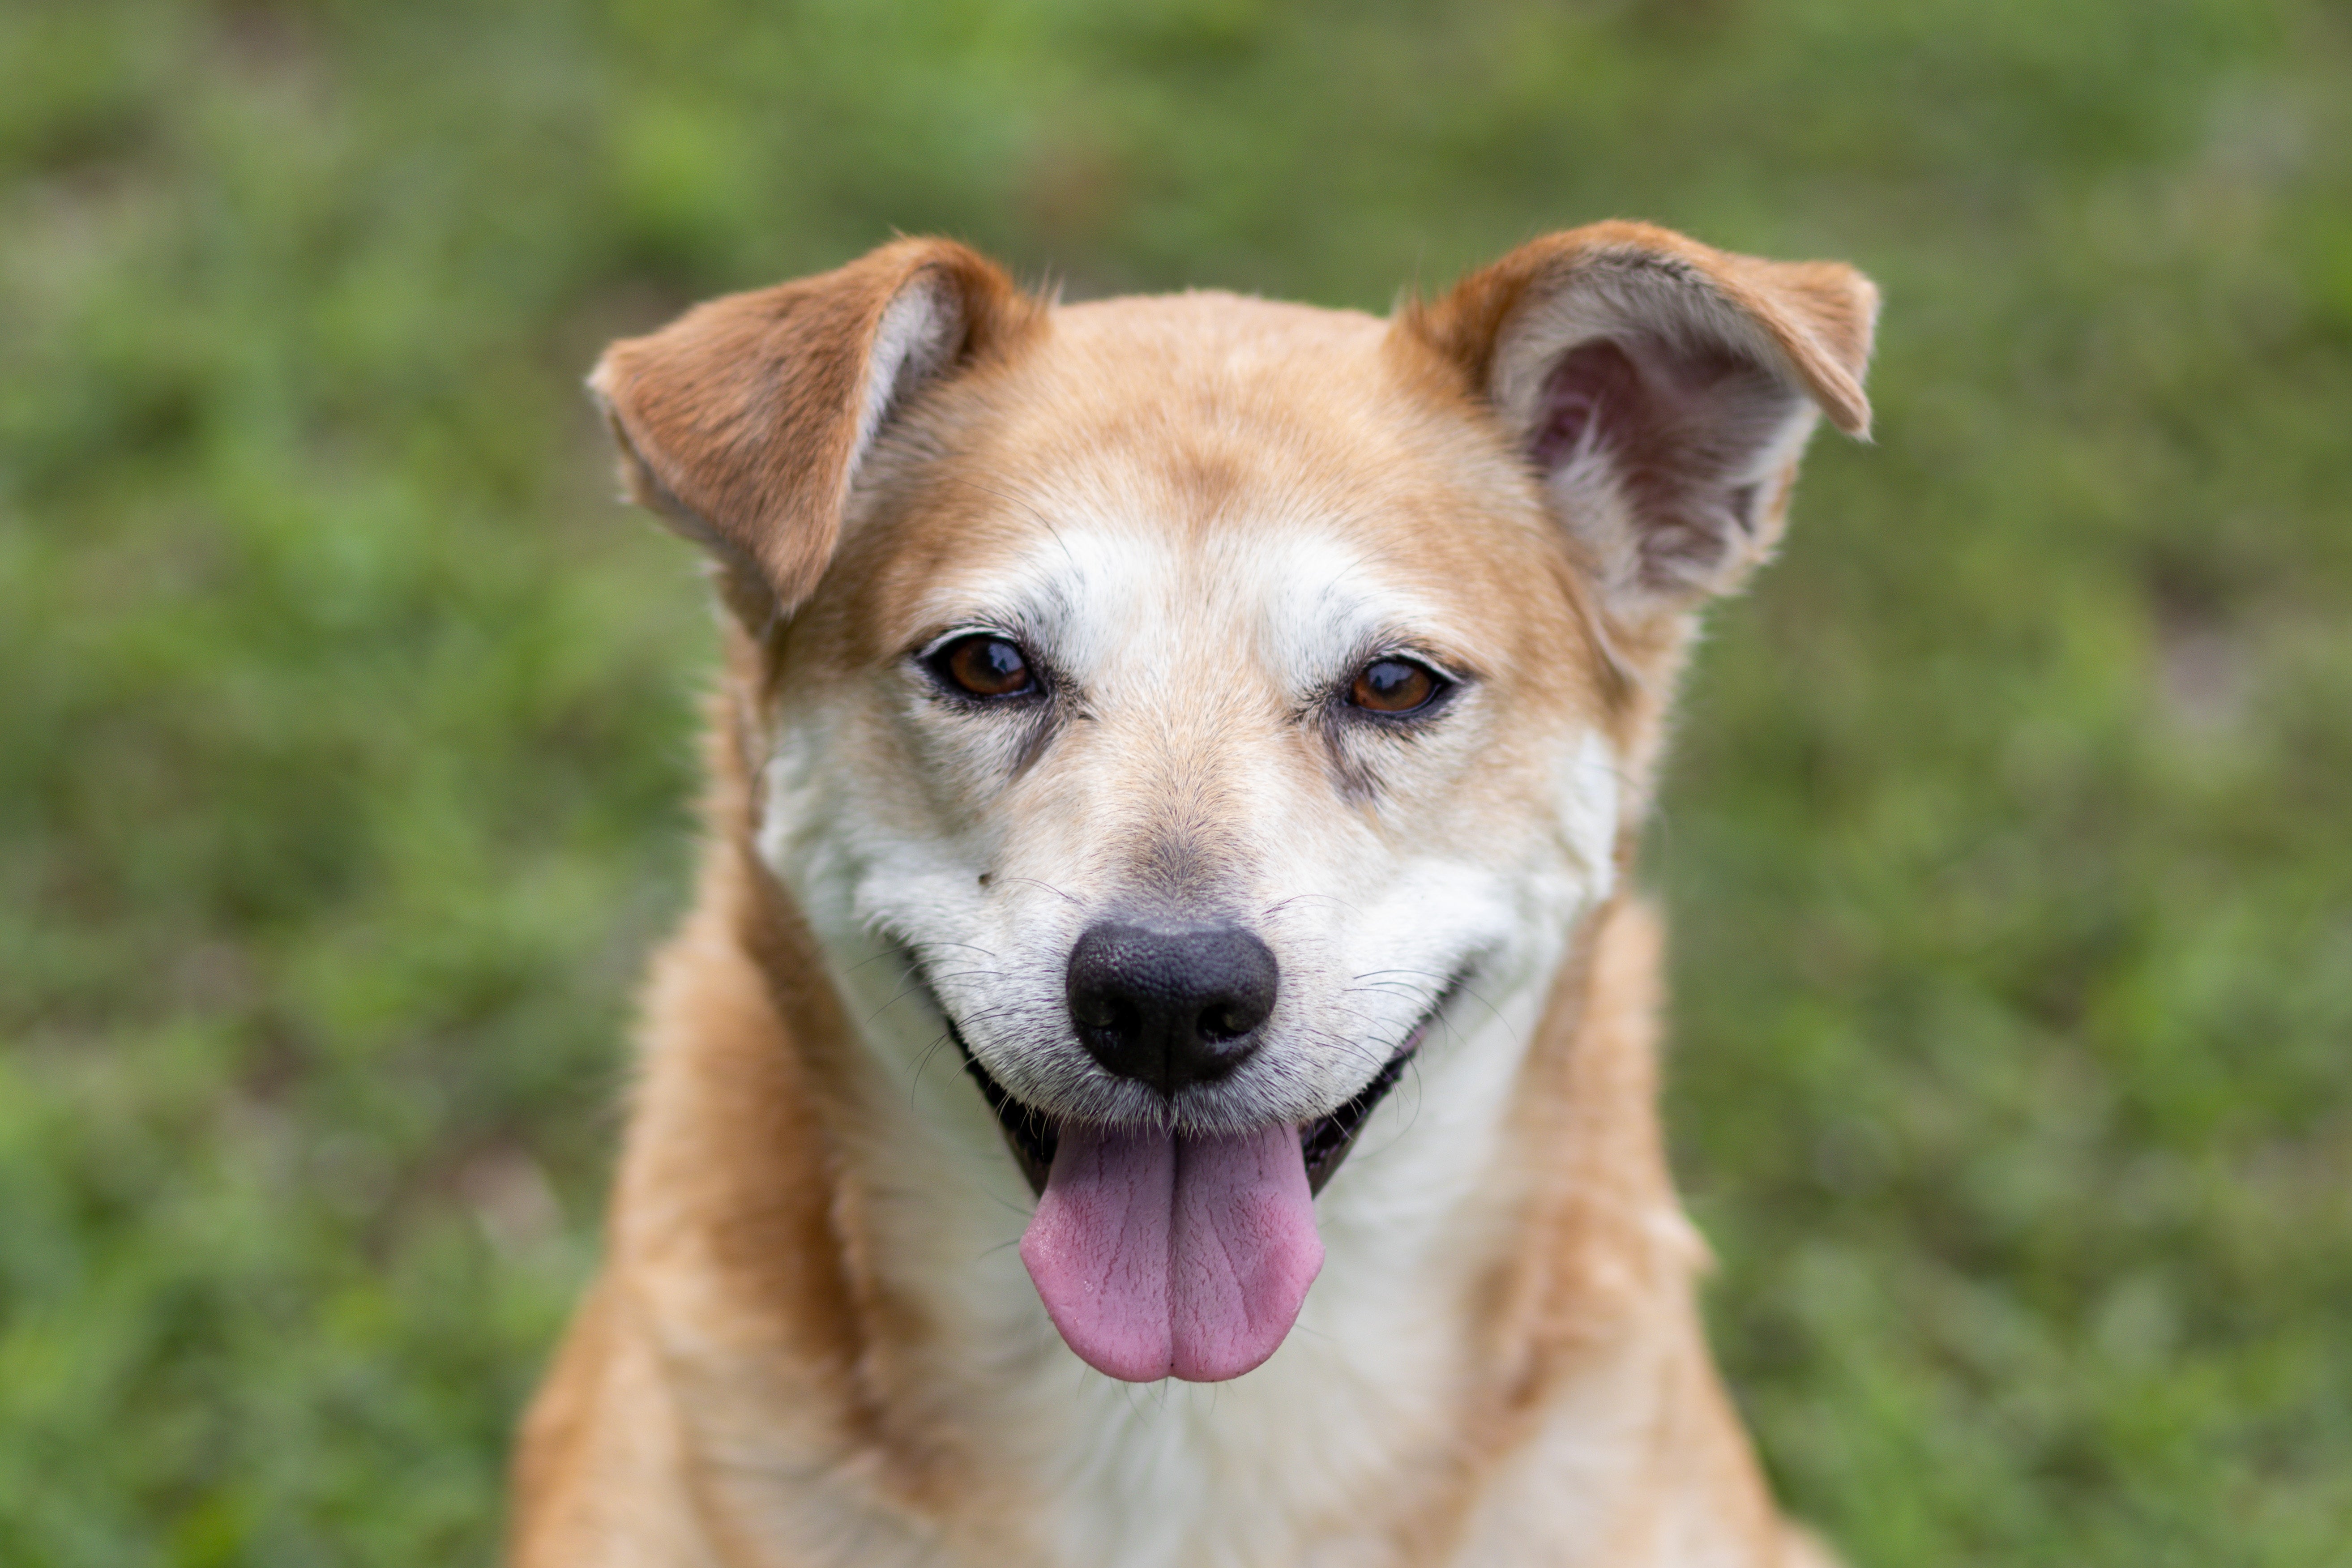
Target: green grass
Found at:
x=345, y=723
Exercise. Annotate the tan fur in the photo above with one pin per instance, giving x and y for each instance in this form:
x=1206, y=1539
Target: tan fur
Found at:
x=771, y=1369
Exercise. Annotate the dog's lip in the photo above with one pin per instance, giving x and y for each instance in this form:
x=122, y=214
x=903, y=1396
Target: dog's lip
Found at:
x=1029, y=1132
x=1033, y=1136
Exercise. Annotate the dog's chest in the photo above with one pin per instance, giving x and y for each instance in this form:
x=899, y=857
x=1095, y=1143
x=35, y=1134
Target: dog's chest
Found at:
x=1305, y=1459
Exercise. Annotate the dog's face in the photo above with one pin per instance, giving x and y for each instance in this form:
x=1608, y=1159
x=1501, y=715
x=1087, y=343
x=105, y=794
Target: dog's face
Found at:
x=1199, y=694
x=1213, y=633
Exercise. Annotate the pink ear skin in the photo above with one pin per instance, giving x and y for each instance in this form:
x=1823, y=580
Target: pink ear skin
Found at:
x=743, y=421
x=1663, y=391
x=1674, y=434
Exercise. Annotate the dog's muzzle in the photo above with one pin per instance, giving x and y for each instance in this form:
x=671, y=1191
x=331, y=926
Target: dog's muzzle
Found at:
x=1158, y=1251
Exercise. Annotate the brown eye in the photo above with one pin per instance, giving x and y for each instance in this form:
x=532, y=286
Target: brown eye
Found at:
x=985, y=666
x=1394, y=686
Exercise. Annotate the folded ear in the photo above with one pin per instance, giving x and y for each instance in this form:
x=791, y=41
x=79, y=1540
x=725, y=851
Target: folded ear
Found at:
x=744, y=421
x=1663, y=391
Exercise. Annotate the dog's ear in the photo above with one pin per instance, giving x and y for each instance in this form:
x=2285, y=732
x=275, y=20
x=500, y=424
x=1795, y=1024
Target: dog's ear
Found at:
x=744, y=421
x=1663, y=391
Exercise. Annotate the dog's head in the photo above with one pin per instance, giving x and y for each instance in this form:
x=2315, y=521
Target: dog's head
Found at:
x=1198, y=693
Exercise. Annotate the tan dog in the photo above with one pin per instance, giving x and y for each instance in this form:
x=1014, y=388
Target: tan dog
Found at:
x=1155, y=731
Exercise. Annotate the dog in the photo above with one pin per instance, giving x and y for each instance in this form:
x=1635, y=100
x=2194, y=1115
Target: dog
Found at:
x=1160, y=1070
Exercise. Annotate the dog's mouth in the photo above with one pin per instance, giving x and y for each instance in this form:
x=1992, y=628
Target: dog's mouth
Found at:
x=1159, y=1251
x=1033, y=1137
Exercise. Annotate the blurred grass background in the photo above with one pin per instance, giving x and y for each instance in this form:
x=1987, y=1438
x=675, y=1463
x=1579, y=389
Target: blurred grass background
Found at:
x=345, y=722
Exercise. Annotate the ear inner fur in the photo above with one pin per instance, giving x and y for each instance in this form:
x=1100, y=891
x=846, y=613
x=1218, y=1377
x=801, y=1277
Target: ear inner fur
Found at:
x=1661, y=388
x=743, y=422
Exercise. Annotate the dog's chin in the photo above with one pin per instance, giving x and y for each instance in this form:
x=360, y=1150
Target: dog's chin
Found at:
x=1034, y=1135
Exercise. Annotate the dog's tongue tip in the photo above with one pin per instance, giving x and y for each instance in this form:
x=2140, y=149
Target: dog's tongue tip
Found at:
x=1161, y=1255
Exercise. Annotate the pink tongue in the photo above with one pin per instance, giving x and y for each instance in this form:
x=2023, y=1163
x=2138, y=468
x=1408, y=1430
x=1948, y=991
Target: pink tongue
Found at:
x=1159, y=1254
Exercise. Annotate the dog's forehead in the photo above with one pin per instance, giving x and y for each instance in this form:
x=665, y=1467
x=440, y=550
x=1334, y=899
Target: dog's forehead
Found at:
x=1207, y=466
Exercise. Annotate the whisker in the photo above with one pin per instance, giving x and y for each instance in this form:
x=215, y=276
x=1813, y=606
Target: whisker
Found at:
x=1049, y=888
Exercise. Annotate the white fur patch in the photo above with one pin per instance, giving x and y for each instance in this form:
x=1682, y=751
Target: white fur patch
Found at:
x=910, y=343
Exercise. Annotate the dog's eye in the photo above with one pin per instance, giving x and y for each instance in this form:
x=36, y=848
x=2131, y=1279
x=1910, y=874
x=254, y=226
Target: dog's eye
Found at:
x=1395, y=686
x=985, y=666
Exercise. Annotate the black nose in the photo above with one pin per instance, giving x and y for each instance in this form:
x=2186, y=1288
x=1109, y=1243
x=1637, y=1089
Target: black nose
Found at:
x=1170, y=1007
